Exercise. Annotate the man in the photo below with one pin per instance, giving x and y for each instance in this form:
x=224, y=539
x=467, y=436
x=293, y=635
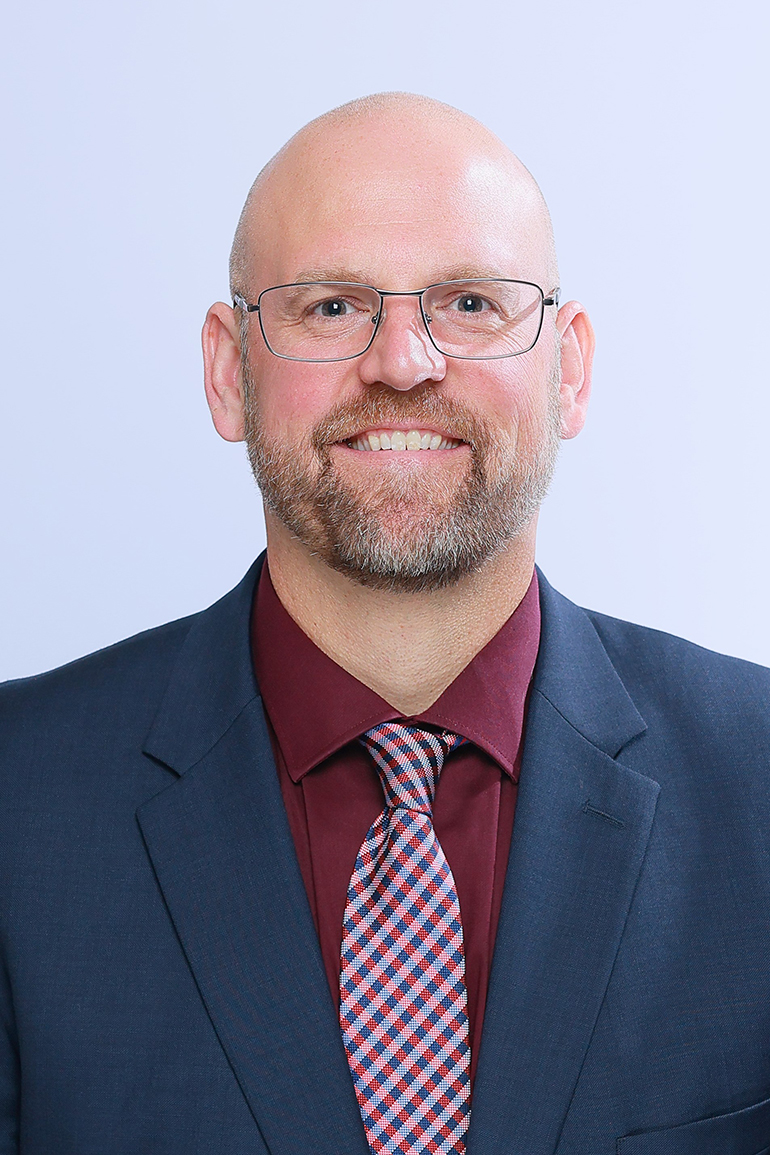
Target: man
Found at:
x=393, y=848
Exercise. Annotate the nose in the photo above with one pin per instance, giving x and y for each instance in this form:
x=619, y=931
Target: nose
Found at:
x=402, y=354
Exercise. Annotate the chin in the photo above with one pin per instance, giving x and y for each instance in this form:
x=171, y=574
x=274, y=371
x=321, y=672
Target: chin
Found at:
x=400, y=575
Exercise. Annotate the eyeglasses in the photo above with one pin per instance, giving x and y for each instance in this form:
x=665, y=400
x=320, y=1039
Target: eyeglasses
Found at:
x=474, y=320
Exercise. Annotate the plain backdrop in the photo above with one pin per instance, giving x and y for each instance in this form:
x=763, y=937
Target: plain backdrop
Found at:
x=132, y=131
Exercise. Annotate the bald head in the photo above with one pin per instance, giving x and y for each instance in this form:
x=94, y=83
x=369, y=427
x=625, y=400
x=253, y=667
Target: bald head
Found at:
x=360, y=187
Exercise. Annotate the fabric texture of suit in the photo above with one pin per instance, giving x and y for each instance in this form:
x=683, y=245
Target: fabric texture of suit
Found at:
x=161, y=986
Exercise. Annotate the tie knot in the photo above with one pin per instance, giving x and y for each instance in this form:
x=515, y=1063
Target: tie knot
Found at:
x=409, y=761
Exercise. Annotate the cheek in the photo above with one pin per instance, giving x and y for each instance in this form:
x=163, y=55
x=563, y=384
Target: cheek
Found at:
x=532, y=388
x=514, y=397
x=292, y=397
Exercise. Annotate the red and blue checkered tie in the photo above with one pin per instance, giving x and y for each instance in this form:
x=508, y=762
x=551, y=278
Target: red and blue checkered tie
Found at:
x=403, y=1002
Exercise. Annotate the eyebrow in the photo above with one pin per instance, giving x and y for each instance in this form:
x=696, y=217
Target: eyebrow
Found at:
x=360, y=277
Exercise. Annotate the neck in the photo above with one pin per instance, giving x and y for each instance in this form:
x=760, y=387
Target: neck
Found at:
x=406, y=647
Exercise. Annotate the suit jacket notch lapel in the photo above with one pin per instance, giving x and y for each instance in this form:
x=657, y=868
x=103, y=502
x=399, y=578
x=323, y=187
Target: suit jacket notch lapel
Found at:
x=221, y=848
x=582, y=826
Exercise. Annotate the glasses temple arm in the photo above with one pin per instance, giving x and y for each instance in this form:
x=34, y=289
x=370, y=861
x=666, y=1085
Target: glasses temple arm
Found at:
x=240, y=303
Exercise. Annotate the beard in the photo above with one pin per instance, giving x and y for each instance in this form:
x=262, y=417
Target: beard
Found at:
x=409, y=529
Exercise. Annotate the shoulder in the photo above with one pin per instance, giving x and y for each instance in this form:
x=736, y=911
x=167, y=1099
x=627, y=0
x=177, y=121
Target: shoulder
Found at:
x=93, y=716
x=118, y=686
x=652, y=657
x=694, y=695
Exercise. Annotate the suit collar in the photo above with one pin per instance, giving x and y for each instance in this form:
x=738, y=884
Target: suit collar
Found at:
x=575, y=674
x=211, y=683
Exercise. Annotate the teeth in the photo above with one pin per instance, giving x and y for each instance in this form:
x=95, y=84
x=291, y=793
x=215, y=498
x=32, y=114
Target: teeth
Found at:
x=413, y=439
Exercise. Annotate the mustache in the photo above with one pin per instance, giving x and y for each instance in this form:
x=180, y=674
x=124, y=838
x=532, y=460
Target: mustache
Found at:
x=388, y=408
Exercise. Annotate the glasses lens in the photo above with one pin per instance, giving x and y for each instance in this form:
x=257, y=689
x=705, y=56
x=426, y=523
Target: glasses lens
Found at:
x=484, y=318
x=318, y=321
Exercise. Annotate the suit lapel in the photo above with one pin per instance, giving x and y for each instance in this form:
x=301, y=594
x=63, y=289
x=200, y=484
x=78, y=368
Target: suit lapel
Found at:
x=582, y=825
x=222, y=851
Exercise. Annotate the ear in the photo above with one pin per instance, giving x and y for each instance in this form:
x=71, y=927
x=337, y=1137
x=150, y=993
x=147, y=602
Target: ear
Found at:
x=577, y=355
x=222, y=371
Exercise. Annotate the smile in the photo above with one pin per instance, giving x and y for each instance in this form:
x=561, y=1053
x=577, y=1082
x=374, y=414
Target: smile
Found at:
x=399, y=439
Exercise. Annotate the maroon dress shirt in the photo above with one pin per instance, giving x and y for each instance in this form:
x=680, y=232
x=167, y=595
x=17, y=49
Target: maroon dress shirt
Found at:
x=332, y=791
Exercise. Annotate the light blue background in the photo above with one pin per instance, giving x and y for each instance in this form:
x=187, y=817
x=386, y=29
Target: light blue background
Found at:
x=133, y=130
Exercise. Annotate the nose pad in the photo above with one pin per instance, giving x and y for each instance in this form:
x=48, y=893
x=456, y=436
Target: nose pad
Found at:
x=413, y=324
x=402, y=355
x=379, y=318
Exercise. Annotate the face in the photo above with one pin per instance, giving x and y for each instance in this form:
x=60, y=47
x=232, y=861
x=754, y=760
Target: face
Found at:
x=402, y=468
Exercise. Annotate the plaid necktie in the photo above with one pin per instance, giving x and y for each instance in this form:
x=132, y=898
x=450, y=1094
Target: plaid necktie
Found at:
x=403, y=1003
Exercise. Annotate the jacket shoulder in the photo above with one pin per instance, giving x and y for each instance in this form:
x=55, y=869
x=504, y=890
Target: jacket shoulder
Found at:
x=667, y=675
x=630, y=638
x=129, y=673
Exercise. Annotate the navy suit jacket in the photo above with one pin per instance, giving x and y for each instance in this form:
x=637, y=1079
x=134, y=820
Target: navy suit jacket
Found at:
x=161, y=986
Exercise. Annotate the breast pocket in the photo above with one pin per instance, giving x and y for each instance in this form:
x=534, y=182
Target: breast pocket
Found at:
x=745, y=1132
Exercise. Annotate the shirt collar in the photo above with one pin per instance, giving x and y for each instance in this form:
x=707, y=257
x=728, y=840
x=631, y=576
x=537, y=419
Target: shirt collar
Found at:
x=315, y=707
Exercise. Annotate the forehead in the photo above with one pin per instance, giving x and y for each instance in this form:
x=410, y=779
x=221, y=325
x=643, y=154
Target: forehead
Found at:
x=399, y=213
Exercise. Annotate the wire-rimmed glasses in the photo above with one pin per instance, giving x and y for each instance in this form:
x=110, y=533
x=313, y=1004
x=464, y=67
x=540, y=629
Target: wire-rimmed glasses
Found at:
x=476, y=319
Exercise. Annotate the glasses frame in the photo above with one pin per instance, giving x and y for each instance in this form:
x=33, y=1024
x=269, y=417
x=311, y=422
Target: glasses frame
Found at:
x=241, y=303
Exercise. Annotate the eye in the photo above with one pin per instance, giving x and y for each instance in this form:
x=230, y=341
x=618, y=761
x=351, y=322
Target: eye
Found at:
x=333, y=307
x=470, y=303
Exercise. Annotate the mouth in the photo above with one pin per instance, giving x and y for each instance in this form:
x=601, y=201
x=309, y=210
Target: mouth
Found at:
x=401, y=440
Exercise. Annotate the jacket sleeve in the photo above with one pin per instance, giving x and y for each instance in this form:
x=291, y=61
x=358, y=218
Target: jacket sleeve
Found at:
x=9, y=1069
